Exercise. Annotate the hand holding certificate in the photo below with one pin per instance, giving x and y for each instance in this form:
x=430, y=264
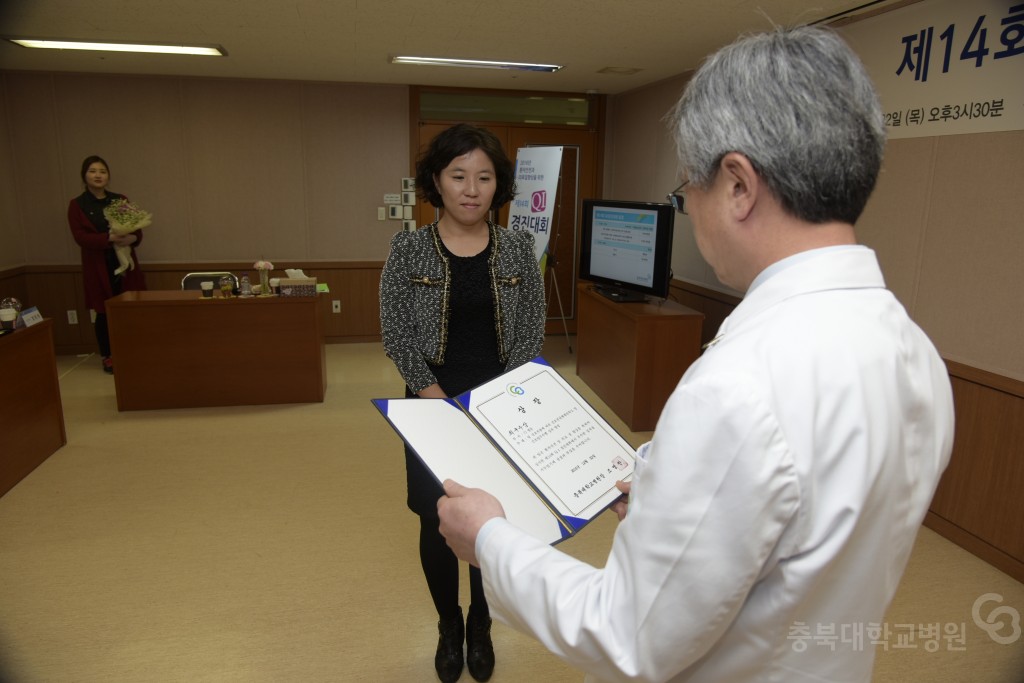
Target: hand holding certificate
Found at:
x=463, y=512
x=528, y=438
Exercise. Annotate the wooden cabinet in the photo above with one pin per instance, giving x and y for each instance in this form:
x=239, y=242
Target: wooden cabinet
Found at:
x=633, y=354
x=31, y=415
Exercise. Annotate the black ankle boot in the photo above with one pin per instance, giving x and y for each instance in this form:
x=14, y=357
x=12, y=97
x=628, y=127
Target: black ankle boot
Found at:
x=479, y=650
x=448, y=660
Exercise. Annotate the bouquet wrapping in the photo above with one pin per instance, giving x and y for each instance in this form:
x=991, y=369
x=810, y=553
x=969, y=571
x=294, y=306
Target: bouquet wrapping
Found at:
x=125, y=218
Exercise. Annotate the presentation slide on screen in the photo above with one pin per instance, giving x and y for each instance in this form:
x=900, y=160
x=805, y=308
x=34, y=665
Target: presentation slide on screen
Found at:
x=622, y=245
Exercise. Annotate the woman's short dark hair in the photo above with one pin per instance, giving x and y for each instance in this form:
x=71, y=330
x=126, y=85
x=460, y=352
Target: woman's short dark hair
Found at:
x=89, y=161
x=463, y=138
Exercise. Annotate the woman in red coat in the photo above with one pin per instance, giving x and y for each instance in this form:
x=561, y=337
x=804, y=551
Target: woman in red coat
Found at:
x=92, y=233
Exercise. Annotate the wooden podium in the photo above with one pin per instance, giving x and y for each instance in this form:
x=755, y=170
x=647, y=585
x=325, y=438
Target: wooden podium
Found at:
x=633, y=354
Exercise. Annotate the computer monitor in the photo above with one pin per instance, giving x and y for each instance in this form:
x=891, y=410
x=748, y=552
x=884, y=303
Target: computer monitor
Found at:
x=626, y=248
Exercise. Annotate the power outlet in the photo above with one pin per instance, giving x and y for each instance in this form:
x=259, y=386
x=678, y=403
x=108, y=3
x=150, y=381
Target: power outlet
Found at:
x=335, y=306
x=72, y=317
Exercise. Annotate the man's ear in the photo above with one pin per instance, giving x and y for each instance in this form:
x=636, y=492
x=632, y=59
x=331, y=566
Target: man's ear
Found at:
x=742, y=182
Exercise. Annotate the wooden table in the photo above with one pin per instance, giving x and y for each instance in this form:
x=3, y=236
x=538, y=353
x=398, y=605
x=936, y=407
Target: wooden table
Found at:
x=175, y=349
x=633, y=354
x=31, y=414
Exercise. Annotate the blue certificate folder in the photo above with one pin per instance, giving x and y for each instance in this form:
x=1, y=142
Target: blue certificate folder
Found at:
x=528, y=438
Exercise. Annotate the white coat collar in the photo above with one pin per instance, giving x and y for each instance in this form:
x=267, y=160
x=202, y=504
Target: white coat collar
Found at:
x=813, y=271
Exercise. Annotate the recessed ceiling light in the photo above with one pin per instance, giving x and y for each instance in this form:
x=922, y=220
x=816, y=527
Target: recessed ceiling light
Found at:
x=211, y=50
x=474, y=63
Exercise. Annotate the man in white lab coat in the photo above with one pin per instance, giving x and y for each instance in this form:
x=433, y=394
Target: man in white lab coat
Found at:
x=772, y=514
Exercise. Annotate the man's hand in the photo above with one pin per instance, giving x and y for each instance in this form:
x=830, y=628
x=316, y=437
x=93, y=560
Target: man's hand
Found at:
x=463, y=511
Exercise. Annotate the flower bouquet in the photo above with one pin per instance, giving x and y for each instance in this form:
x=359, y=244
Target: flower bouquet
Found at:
x=263, y=268
x=125, y=218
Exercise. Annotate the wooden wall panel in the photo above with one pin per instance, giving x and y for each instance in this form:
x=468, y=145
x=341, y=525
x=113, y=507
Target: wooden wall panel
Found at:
x=355, y=285
x=715, y=306
x=980, y=492
x=56, y=293
x=12, y=283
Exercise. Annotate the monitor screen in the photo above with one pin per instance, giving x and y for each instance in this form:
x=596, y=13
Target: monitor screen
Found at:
x=626, y=248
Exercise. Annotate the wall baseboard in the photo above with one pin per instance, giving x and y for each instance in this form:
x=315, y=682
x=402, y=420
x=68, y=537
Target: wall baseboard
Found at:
x=989, y=553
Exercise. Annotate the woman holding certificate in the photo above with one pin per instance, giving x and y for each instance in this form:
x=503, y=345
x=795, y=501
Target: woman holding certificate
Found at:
x=461, y=302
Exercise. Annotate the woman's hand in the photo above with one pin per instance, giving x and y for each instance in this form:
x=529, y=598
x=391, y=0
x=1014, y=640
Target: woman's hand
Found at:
x=433, y=391
x=123, y=240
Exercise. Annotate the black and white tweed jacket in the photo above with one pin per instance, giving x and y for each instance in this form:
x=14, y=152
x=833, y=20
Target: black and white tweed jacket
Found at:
x=415, y=291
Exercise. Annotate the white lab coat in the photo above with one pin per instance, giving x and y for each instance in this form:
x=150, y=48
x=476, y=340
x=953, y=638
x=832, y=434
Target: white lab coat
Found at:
x=787, y=478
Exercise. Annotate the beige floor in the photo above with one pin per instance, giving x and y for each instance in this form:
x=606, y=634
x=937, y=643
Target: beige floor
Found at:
x=272, y=544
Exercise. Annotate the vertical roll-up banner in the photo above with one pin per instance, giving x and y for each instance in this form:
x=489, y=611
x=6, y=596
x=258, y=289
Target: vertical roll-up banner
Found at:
x=534, y=205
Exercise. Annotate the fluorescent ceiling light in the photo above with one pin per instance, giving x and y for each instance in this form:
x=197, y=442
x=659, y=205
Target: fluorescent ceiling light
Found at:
x=121, y=47
x=477, y=63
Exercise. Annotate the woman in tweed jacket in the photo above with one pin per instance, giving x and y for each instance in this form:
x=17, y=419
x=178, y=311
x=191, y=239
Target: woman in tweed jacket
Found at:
x=461, y=301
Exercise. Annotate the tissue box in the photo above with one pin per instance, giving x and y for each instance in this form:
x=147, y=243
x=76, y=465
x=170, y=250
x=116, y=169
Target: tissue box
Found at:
x=298, y=286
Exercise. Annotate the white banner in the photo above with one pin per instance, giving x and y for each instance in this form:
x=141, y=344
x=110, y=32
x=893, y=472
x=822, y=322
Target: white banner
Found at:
x=537, y=183
x=945, y=67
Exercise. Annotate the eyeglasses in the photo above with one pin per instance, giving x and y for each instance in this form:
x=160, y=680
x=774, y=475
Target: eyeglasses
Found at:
x=677, y=200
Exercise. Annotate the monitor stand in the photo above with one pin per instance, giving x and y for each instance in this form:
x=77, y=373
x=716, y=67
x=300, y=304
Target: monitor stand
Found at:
x=619, y=296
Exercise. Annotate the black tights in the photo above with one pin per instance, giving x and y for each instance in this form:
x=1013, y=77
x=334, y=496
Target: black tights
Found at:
x=441, y=568
x=102, y=335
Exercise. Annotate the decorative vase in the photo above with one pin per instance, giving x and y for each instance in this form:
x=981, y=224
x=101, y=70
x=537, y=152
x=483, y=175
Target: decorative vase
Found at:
x=265, y=282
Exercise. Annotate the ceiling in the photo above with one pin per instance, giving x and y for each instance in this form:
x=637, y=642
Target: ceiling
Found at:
x=351, y=40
